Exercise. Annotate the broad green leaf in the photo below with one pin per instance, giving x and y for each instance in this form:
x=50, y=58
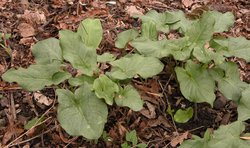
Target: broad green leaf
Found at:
x=36, y=77
x=244, y=105
x=149, y=31
x=206, y=56
x=239, y=47
x=178, y=48
x=33, y=122
x=47, y=51
x=223, y=21
x=197, y=142
x=129, y=97
x=132, y=137
x=151, y=48
x=60, y=76
x=228, y=136
x=195, y=83
x=91, y=32
x=124, y=37
x=230, y=84
x=201, y=31
x=182, y=116
x=81, y=113
x=80, y=80
x=106, y=57
x=160, y=19
x=182, y=22
x=134, y=64
x=79, y=55
x=105, y=88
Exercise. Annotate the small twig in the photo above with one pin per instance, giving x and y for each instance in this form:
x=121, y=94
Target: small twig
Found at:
x=13, y=109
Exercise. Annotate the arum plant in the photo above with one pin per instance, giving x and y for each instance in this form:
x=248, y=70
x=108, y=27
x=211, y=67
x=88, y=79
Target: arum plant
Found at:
x=204, y=67
x=84, y=112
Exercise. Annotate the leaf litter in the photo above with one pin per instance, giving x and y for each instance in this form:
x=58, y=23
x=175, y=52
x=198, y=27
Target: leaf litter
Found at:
x=115, y=19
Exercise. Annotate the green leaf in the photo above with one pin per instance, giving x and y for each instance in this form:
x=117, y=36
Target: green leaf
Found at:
x=223, y=21
x=206, y=56
x=129, y=97
x=91, y=32
x=47, y=51
x=132, y=137
x=160, y=19
x=134, y=64
x=81, y=113
x=201, y=31
x=33, y=122
x=80, y=56
x=182, y=22
x=106, y=57
x=60, y=76
x=105, y=88
x=182, y=116
x=238, y=47
x=36, y=77
x=149, y=31
x=124, y=37
x=80, y=80
x=228, y=136
x=195, y=83
x=179, y=48
x=244, y=105
x=150, y=48
x=141, y=145
x=125, y=145
x=230, y=84
x=197, y=142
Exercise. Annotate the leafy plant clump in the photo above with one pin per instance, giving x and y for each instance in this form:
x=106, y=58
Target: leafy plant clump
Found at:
x=204, y=66
x=82, y=108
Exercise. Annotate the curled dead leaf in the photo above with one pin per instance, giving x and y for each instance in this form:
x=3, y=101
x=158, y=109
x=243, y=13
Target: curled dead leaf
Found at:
x=26, y=30
x=133, y=10
x=179, y=139
x=40, y=98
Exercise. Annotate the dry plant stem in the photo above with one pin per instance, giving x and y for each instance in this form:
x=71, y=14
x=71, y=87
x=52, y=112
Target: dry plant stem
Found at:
x=13, y=109
x=70, y=141
x=18, y=143
x=168, y=104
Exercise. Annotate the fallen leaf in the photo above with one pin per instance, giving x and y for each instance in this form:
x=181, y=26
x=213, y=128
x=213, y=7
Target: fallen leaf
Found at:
x=245, y=138
x=26, y=41
x=150, y=112
x=160, y=120
x=2, y=3
x=187, y=3
x=179, y=139
x=40, y=98
x=26, y=30
x=132, y=10
x=34, y=17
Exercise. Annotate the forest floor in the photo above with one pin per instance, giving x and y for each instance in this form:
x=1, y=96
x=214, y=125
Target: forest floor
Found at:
x=29, y=21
